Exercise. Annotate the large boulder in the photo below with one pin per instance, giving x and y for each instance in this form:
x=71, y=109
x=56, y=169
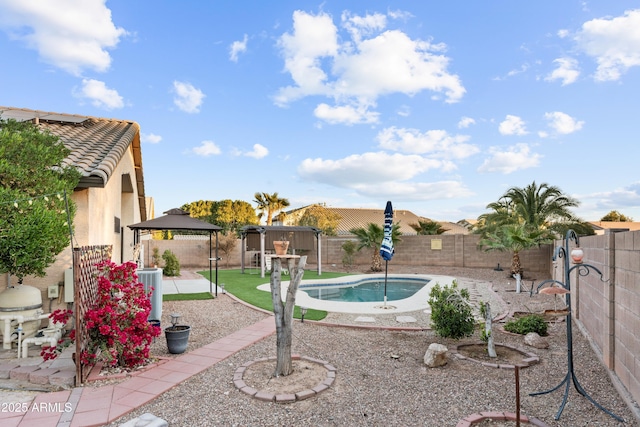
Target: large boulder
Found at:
x=436, y=355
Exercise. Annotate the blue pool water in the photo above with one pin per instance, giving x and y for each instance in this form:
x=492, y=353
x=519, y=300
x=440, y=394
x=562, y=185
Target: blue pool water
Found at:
x=366, y=290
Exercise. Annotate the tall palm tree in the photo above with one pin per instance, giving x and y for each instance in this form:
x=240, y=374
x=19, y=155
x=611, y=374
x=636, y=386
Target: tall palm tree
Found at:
x=542, y=206
x=270, y=203
x=371, y=236
x=524, y=217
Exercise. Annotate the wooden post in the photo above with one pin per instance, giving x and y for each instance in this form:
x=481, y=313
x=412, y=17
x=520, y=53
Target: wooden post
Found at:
x=283, y=311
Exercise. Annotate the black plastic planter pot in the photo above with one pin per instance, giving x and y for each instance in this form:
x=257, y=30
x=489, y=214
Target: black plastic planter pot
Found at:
x=177, y=338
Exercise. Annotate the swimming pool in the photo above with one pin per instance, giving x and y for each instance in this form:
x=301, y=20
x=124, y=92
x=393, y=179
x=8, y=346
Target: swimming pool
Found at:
x=367, y=290
x=417, y=301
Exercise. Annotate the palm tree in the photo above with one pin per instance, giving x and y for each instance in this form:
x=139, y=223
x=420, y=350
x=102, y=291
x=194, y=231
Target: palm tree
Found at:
x=371, y=236
x=542, y=207
x=513, y=238
x=524, y=217
x=428, y=227
x=269, y=203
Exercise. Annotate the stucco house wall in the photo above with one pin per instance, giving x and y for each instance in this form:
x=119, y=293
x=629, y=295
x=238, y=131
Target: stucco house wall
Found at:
x=112, y=187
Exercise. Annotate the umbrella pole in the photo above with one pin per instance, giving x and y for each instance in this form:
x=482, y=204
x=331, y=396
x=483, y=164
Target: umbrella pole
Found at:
x=386, y=269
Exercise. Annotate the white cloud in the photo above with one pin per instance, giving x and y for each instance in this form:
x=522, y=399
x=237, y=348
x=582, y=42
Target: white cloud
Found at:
x=345, y=114
x=515, y=158
x=563, y=123
x=150, y=138
x=359, y=26
x=512, y=125
x=188, y=98
x=99, y=94
x=383, y=175
x=625, y=197
x=238, y=47
x=369, y=64
x=367, y=168
x=207, y=148
x=614, y=44
x=567, y=71
x=259, y=151
x=435, y=143
x=465, y=122
x=415, y=191
x=69, y=34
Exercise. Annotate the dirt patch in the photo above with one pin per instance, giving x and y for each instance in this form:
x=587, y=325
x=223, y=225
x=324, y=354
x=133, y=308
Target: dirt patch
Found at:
x=505, y=355
x=306, y=375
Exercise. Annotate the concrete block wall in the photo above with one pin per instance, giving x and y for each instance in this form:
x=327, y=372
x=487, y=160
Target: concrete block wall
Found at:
x=609, y=307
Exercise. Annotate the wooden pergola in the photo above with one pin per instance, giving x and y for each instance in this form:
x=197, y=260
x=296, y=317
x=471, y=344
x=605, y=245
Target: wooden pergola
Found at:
x=261, y=237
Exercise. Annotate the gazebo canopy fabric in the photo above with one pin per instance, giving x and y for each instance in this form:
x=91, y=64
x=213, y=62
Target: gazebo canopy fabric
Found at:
x=176, y=219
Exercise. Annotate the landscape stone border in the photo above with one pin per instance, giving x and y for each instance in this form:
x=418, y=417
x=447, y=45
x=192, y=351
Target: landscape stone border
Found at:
x=238, y=381
x=528, y=358
x=470, y=420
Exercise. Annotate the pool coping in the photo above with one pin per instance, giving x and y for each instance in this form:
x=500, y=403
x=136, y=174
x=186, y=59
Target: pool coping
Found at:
x=417, y=302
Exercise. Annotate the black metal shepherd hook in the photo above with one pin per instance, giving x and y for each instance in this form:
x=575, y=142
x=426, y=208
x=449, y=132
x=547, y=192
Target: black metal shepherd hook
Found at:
x=570, y=377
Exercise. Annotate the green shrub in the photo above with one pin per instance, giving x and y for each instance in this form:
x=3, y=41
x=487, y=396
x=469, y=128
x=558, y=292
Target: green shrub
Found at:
x=451, y=312
x=526, y=324
x=171, y=264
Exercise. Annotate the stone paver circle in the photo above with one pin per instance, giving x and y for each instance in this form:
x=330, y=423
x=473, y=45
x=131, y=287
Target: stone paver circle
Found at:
x=238, y=381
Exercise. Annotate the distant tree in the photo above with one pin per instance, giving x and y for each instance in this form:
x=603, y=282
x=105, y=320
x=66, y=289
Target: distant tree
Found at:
x=34, y=225
x=233, y=215
x=371, y=237
x=226, y=244
x=349, y=247
x=616, y=217
x=424, y=228
x=269, y=204
x=320, y=217
x=228, y=214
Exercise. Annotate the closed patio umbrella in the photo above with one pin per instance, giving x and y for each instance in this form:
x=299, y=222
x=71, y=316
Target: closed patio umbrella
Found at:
x=386, y=248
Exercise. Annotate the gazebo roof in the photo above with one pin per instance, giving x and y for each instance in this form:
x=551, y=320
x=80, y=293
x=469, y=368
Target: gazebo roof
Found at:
x=248, y=229
x=176, y=219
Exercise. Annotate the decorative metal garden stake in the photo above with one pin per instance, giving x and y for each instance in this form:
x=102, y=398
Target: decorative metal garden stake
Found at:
x=517, y=371
x=581, y=270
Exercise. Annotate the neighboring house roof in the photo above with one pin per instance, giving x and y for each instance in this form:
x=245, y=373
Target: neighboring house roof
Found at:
x=97, y=145
x=360, y=217
x=601, y=226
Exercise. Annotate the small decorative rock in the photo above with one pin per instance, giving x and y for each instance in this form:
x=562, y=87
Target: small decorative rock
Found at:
x=146, y=420
x=436, y=355
x=535, y=340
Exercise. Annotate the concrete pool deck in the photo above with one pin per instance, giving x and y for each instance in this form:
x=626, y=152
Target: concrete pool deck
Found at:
x=417, y=302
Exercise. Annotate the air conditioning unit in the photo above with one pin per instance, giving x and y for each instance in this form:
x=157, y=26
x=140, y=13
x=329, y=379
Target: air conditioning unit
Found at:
x=68, y=285
x=152, y=278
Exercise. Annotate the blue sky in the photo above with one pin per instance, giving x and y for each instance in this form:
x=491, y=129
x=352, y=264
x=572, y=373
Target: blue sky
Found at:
x=437, y=106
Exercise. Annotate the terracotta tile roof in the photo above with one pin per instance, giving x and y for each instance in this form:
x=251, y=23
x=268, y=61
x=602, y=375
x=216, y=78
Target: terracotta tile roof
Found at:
x=360, y=217
x=97, y=144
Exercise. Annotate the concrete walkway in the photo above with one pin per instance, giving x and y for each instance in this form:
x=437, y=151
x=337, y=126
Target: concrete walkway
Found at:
x=89, y=406
x=97, y=406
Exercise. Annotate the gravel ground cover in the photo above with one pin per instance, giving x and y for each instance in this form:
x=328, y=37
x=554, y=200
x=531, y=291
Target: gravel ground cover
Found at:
x=381, y=378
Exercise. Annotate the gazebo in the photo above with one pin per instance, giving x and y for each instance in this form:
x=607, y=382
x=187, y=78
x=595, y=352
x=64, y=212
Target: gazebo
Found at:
x=177, y=219
x=262, y=237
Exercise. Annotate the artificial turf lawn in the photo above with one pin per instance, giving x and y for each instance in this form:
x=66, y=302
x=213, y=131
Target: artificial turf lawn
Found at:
x=187, y=297
x=244, y=286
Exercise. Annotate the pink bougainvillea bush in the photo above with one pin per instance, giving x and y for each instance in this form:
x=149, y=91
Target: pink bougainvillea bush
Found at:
x=119, y=332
